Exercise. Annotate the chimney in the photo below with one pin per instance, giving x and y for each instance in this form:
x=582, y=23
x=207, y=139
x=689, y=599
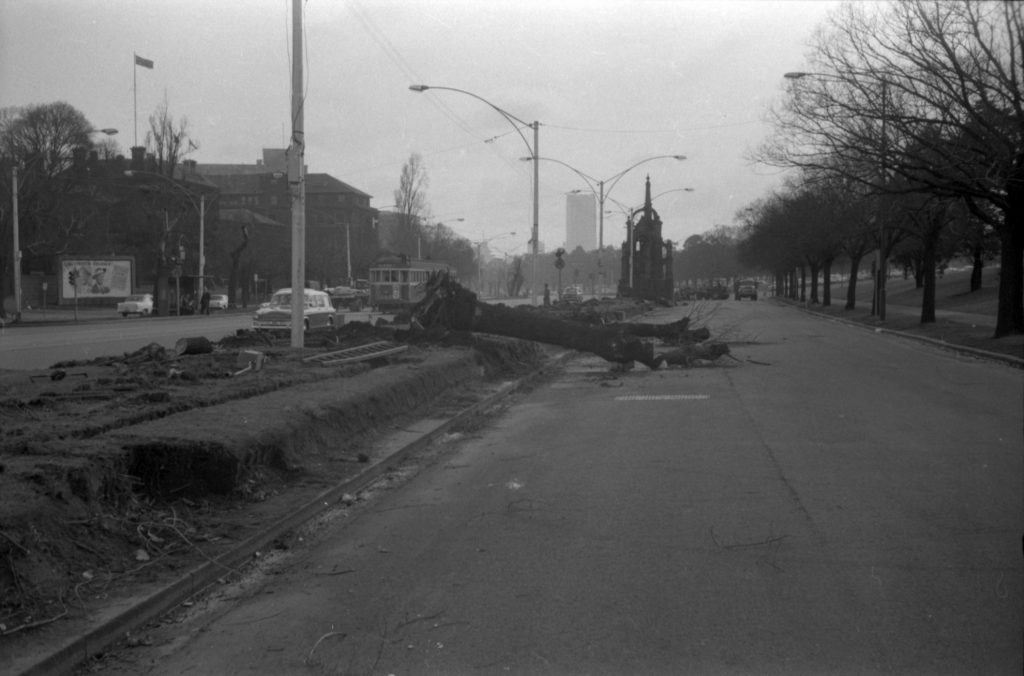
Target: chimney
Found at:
x=138, y=158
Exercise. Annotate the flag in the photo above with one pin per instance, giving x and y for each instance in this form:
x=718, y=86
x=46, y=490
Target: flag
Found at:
x=145, y=63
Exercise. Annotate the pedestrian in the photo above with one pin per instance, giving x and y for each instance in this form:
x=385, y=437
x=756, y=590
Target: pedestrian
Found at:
x=204, y=302
x=547, y=296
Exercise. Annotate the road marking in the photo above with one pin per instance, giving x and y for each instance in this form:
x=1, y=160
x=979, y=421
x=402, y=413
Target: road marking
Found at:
x=662, y=397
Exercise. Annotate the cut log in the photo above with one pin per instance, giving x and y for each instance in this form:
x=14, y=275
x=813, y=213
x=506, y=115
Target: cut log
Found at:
x=197, y=345
x=688, y=354
x=447, y=304
x=657, y=330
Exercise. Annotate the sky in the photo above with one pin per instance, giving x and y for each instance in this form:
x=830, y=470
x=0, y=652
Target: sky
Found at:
x=611, y=82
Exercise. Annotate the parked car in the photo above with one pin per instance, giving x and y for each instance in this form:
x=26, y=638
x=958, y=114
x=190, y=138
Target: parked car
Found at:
x=218, y=301
x=139, y=304
x=746, y=288
x=276, y=315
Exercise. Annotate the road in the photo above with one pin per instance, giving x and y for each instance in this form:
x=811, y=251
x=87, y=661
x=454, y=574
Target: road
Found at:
x=841, y=502
x=40, y=345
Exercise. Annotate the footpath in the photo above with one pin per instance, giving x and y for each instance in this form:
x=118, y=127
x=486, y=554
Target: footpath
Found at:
x=969, y=333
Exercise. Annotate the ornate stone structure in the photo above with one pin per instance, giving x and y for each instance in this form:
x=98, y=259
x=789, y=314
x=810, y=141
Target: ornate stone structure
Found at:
x=646, y=258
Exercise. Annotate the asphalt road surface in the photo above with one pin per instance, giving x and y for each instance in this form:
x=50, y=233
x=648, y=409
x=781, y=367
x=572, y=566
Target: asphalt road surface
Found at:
x=40, y=345
x=841, y=502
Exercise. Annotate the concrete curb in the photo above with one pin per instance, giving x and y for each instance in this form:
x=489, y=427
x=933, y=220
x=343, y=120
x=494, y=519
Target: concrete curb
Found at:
x=76, y=650
x=963, y=349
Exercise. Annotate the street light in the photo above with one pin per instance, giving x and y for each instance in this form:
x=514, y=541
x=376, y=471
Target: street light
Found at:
x=881, y=261
x=479, y=258
x=534, y=155
x=599, y=190
x=201, y=208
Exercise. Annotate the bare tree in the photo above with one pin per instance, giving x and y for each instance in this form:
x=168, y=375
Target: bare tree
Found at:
x=167, y=140
x=410, y=205
x=920, y=96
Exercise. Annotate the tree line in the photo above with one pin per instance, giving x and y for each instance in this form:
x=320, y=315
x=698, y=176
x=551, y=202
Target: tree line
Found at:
x=907, y=136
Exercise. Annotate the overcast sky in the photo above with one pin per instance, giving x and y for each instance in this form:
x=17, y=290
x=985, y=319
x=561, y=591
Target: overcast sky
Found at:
x=611, y=83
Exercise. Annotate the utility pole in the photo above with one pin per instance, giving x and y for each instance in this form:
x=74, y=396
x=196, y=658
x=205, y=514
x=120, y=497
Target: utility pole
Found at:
x=202, y=237
x=296, y=180
x=536, y=207
x=17, y=244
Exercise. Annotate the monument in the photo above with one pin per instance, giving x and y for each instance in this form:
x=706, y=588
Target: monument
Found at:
x=646, y=257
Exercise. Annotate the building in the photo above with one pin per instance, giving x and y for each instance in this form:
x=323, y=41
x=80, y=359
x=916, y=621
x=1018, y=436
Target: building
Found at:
x=580, y=221
x=340, y=239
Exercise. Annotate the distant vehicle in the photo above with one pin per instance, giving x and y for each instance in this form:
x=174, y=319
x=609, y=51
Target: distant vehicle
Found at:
x=277, y=315
x=398, y=282
x=348, y=297
x=718, y=292
x=572, y=294
x=746, y=288
x=218, y=301
x=140, y=304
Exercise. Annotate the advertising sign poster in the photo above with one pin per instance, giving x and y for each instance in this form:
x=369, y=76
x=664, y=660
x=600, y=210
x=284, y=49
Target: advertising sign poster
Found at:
x=96, y=278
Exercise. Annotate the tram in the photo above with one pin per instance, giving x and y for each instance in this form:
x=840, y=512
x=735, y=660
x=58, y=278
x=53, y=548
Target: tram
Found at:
x=397, y=281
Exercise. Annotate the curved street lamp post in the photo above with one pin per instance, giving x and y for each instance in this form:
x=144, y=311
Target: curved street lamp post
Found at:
x=598, y=186
x=534, y=155
x=479, y=258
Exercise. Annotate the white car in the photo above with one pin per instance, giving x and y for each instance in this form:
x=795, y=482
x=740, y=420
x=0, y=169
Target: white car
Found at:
x=218, y=301
x=139, y=304
x=318, y=312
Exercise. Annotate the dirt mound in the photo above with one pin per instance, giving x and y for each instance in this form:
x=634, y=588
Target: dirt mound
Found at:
x=118, y=471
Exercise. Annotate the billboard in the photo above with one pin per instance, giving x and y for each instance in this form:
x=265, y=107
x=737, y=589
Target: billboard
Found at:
x=96, y=277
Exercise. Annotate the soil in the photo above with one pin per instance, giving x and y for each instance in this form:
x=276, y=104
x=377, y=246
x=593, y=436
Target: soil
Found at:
x=79, y=525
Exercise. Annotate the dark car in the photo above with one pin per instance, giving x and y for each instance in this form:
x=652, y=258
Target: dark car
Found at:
x=746, y=288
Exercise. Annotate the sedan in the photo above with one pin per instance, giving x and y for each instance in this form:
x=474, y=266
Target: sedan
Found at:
x=276, y=315
x=218, y=301
x=139, y=304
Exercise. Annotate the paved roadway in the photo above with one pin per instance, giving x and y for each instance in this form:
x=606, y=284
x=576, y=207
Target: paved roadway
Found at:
x=849, y=505
x=39, y=345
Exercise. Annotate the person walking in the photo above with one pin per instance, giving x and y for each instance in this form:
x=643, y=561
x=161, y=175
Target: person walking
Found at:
x=547, y=295
x=204, y=302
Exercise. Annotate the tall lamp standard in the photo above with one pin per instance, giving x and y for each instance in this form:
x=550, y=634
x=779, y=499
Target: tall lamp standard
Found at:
x=881, y=260
x=534, y=155
x=479, y=258
x=16, y=226
x=598, y=187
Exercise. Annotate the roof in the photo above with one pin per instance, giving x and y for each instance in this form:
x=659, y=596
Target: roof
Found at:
x=248, y=217
x=247, y=181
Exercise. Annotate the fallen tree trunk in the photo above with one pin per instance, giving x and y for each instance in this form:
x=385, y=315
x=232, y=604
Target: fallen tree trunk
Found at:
x=447, y=304
x=687, y=355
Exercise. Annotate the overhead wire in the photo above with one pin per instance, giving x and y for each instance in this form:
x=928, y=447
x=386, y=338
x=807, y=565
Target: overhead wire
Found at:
x=395, y=56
